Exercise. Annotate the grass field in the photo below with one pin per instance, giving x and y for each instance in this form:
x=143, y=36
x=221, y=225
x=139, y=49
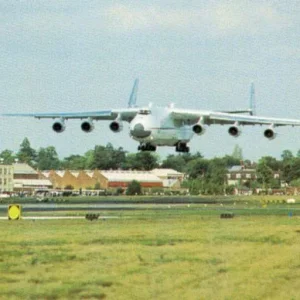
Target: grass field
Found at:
x=165, y=254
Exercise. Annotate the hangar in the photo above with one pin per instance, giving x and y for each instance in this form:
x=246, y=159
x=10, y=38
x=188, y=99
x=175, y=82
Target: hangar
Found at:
x=87, y=179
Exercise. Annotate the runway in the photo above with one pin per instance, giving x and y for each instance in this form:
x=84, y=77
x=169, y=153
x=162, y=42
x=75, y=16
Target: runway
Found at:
x=59, y=217
x=55, y=207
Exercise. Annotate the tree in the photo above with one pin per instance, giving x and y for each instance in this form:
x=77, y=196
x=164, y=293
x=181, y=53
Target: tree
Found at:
x=271, y=162
x=7, y=156
x=287, y=155
x=197, y=168
x=237, y=153
x=89, y=159
x=47, y=159
x=175, y=162
x=291, y=170
x=264, y=174
x=134, y=188
x=230, y=161
x=141, y=161
x=107, y=157
x=148, y=160
x=26, y=154
x=74, y=162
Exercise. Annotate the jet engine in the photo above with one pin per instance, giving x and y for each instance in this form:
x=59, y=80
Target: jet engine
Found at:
x=59, y=126
x=199, y=128
x=234, y=131
x=87, y=126
x=270, y=133
x=116, y=126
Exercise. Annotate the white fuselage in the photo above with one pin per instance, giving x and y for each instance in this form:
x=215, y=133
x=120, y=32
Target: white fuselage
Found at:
x=156, y=126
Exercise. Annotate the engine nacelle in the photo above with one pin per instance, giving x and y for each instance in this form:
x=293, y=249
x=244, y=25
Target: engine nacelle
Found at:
x=59, y=126
x=234, y=131
x=199, y=128
x=270, y=133
x=87, y=126
x=116, y=126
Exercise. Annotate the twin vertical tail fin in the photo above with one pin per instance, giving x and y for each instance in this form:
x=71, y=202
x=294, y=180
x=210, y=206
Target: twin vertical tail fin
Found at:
x=133, y=95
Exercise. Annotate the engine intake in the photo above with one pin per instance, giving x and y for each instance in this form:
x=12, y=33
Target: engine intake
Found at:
x=234, y=131
x=59, y=126
x=116, y=126
x=199, y=129
x=87, y=126
x=270, y=134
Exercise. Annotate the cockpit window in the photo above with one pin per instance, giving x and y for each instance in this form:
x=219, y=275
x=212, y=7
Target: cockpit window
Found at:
x=144, y=112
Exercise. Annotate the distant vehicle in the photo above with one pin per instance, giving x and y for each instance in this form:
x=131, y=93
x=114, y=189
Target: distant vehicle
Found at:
x=154, y=126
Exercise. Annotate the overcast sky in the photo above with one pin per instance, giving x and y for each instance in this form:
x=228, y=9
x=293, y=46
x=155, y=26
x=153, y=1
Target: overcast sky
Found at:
x=84, y=55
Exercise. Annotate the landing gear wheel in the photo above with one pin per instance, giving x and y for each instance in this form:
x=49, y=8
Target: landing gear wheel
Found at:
x=182, y=147
x=146, y=147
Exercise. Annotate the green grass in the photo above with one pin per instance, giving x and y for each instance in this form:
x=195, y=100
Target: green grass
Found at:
x=176, y=253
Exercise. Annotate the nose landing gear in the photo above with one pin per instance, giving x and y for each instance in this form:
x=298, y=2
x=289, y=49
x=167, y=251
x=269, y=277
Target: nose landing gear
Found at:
x=146, y=147
x=182, y=147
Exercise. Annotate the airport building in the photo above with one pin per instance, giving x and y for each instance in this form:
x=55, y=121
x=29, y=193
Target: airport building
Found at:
x=6, y=178
x=70, y=179
x=21, y=178
x=171, y=178
x=121, y=179
x=112, y=179
x=27, y=180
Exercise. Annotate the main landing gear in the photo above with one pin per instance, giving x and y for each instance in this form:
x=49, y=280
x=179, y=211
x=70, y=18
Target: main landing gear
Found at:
x=146, y=147
x=182, y=147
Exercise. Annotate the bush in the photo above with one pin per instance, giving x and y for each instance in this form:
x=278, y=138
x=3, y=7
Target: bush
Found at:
x=69, y=187
x=157, y=190
x=119, y=191
x=134, y=188
x=97, y=186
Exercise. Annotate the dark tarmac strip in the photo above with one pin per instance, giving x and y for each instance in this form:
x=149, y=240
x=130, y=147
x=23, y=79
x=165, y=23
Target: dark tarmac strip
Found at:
x=88, y=207
x=58, y=218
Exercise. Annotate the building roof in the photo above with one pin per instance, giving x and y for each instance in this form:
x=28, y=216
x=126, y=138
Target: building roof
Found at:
x=127, y=176
x=240, y=169
x=166, y=172
x=21, y=168
x=75, y=173
x=60, y=173
x=45, y=173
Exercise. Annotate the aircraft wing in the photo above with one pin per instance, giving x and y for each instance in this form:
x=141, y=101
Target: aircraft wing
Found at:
x=126, y=114
x=210, y=117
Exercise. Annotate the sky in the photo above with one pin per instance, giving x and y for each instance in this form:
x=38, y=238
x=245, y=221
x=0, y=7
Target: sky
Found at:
x=69, y=56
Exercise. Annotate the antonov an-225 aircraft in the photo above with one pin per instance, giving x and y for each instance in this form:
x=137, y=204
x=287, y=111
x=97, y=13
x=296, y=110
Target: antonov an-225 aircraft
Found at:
x=166, y=126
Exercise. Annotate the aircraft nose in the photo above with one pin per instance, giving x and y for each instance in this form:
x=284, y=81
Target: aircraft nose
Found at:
x=139, y=131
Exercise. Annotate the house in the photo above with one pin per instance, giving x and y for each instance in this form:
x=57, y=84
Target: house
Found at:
x=238, y=175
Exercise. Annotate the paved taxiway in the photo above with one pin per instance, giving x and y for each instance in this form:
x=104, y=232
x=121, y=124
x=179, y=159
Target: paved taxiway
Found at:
x=59, y=217
x=44, y=207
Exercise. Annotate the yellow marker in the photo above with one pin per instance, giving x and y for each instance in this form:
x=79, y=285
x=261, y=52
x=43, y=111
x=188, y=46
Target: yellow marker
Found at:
x=14, y=212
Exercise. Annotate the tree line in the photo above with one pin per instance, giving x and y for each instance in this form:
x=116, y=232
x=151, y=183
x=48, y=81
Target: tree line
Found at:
x=207, y=176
